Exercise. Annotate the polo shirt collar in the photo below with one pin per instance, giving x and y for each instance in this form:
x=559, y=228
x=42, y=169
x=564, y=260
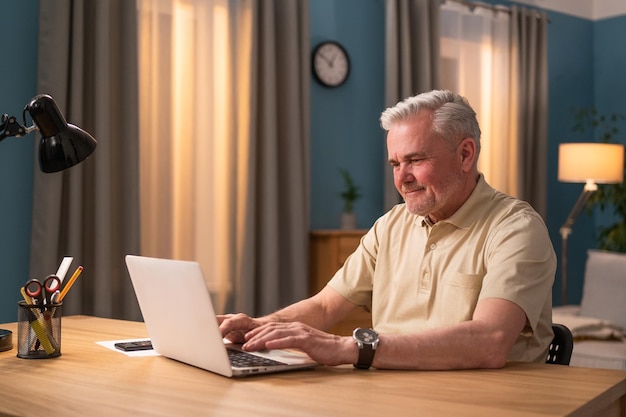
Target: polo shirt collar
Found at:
x=469, y=212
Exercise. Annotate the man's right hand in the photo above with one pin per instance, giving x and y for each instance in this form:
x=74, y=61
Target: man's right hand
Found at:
x=235, y=326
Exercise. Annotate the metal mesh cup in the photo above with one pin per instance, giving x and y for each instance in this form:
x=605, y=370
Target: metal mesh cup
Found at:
x=38, y=330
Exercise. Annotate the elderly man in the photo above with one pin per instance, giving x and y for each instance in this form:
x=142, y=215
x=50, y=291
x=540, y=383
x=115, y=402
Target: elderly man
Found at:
x=459, y=276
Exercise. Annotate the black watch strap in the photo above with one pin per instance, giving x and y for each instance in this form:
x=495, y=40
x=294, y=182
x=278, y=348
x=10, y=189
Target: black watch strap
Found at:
x=366, y=357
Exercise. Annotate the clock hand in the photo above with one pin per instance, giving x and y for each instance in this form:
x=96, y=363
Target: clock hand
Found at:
x=325, y=58
x=332, y=61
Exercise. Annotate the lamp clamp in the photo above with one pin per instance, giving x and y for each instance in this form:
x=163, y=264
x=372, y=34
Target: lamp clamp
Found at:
x=11, y=127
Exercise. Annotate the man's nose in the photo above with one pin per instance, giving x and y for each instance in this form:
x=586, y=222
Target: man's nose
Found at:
x=403, y=173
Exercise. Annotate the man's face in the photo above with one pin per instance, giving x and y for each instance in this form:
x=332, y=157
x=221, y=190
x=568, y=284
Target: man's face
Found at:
x=427, y=172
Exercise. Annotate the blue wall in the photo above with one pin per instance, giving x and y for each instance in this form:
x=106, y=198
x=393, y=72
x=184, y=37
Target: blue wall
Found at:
x=18, y=83
x=570, y=48
x=345, y=127
x=609, y=81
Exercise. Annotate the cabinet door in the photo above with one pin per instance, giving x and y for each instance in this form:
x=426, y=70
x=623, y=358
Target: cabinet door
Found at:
x=328, y=251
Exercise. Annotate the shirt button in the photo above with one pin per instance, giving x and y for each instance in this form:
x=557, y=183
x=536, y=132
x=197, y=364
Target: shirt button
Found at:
x=433, y=246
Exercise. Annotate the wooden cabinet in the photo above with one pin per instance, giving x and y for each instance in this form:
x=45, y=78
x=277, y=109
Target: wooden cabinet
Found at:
x=328, y=250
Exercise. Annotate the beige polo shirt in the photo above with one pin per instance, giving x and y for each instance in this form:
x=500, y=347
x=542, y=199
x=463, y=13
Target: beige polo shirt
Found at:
x=414, y=276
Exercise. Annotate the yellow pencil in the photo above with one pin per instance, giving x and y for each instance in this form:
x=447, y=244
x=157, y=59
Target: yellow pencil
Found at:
x=30, y=302
x=70, y=283
x=27, y=298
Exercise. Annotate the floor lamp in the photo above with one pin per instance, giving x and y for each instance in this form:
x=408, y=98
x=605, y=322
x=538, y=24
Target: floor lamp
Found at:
x=591, y=163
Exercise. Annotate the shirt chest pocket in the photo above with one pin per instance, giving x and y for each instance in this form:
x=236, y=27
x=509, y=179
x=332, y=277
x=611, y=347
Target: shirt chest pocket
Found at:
x=456, y=298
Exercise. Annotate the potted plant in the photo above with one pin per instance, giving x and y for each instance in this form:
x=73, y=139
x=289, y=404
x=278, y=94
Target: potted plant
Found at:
x=349, y=195
x=612, y=237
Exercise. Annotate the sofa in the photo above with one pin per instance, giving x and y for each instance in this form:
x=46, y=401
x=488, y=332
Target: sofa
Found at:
x=598, y=324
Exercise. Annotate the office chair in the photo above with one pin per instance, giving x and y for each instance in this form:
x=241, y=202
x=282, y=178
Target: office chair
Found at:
x=560, y=351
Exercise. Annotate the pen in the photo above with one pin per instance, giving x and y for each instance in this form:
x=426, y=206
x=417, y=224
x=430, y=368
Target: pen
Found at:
x=70, y=283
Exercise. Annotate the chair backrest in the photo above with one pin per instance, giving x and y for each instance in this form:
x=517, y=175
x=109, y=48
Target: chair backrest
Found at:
x=560, y=351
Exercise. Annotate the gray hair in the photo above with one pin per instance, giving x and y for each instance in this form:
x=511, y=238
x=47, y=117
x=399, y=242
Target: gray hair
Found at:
x=453, y=117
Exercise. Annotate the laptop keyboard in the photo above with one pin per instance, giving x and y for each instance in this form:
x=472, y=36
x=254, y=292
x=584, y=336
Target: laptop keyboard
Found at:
x=240, y=359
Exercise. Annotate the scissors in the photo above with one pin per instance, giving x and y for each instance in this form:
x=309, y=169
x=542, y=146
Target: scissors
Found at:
x=43, y=293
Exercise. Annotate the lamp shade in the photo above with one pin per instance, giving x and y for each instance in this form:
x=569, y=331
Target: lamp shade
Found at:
x=62, y=145
x=596, y=162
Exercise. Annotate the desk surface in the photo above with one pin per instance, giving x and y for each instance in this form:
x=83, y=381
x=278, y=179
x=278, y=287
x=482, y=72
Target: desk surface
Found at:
x=89, y=379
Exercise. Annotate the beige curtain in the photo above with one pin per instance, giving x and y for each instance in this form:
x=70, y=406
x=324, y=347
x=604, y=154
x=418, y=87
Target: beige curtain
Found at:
x=496, y=57
x=477, y=62
x=88, y=63
x=224, y=90
x=411, y=60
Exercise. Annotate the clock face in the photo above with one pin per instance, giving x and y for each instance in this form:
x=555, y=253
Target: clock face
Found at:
x=331, y=65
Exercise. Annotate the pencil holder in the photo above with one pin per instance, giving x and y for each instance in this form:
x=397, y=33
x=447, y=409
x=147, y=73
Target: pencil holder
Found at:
x=38, y=330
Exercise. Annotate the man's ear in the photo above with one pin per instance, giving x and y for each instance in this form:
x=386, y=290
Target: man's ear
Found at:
x=467, y=153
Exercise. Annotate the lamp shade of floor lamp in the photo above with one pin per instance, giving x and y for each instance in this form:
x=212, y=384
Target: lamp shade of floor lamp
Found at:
x=592, y=164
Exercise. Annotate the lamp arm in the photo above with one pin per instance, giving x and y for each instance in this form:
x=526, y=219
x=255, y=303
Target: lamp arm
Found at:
x=566, y=229
x=10, y=127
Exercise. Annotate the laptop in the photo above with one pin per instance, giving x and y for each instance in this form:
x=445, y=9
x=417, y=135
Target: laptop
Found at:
x=177, y=309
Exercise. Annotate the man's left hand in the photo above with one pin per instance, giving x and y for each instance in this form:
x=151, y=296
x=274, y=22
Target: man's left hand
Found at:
x=325, y=348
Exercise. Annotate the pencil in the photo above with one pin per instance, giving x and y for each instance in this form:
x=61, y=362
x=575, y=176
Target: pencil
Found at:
x=70, y=283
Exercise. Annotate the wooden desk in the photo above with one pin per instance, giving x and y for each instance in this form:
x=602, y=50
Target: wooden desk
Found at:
x=91, y=380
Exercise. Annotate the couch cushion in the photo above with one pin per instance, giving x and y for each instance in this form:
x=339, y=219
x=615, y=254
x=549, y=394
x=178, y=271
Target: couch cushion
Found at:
x=589, y=328
x=594, y=354
x=604, y=288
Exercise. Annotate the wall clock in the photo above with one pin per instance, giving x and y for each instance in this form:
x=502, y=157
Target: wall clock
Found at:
x=331, y=65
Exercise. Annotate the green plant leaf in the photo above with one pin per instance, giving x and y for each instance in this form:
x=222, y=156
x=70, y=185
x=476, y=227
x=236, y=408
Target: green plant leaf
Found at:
x=608, y=196
x=350, y=192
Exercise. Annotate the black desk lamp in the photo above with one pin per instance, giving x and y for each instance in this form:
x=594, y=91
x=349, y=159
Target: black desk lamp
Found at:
x=62, y=146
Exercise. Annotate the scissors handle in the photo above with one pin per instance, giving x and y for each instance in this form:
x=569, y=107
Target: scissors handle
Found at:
x=43, y=292
x=51, y=284
x=33, y=288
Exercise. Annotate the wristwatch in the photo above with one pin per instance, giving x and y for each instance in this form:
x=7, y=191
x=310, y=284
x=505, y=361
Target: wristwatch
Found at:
x=367, y=341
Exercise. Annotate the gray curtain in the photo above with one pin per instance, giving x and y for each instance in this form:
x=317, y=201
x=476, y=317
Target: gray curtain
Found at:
x=529, y=35
x=275, y=266
x=411, y=60
x=88, y=63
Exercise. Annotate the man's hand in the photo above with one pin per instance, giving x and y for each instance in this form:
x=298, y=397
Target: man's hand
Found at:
x=286, y=328
x=325, y=348
x=235, y=326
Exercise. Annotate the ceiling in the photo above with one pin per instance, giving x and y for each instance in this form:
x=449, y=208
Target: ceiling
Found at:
x=588, y=9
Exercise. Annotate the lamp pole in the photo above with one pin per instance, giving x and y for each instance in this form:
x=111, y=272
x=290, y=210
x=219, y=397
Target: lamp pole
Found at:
x=566, y=230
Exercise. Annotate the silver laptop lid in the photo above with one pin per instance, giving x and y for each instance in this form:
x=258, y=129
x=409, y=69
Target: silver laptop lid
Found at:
x=177, y=309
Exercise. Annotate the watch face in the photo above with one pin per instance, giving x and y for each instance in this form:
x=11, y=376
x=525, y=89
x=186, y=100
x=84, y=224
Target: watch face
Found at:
x=331, y=65
x=367, y=336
